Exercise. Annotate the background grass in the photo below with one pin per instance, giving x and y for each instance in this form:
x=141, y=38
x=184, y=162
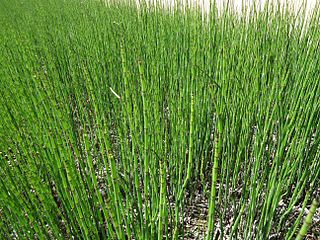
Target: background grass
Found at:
x=115, y=120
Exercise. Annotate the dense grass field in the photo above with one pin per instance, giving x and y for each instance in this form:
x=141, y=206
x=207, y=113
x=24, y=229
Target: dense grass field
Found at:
x=126, y=123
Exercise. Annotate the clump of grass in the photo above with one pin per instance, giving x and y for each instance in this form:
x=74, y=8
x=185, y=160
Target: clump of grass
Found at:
x=113, y=118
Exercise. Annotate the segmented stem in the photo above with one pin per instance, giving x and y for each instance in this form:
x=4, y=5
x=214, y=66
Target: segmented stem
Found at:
x=308, y=221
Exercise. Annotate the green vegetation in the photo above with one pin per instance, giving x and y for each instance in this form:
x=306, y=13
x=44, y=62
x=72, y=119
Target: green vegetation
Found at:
x=115, y=120
x=308, y=221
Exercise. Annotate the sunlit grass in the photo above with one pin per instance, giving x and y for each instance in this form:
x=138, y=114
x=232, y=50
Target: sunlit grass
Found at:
x=114, y=119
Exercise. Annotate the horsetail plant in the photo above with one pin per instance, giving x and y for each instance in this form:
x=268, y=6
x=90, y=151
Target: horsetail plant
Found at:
x=130, y=120
x=308, y=221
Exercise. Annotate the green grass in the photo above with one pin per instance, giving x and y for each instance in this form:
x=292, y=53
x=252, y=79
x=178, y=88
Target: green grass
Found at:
x=114, y=119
